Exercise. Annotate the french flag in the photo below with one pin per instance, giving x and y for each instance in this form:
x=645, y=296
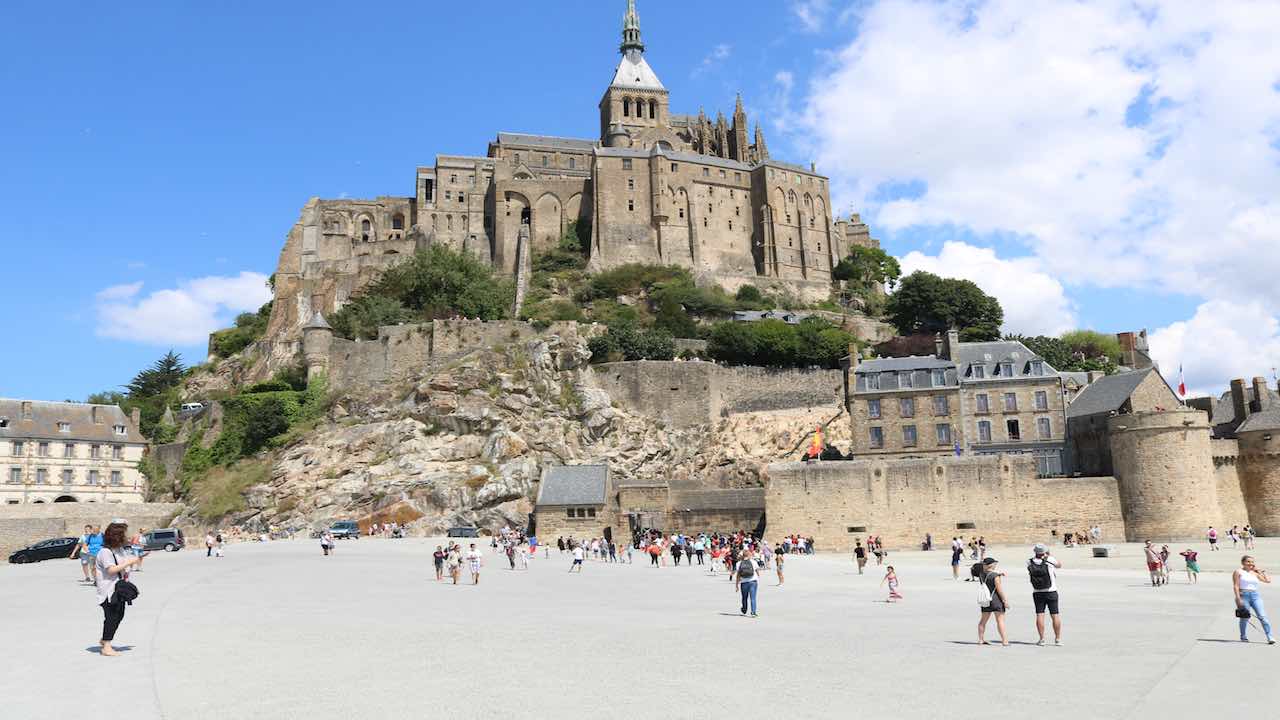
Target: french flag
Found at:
x=1182, y=384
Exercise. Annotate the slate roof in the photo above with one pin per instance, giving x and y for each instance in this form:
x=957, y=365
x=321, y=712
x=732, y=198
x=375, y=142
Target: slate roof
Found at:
x=898, y=364
x=45, y=417
x=317, y=322
x=989, y=355
x=1107, y=394
x=1224, y=411
x=1268, y=419
x=634, y=72
x=574, y=485
x=1081, y=378
x=547, y=141
x=787, y=316
x=732, y=499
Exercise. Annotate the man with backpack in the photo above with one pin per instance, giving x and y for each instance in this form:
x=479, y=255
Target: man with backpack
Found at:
x=1043, y=569
x=746, y=581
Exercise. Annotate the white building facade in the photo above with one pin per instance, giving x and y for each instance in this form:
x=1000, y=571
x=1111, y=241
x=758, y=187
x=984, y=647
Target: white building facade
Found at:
x=69, y=452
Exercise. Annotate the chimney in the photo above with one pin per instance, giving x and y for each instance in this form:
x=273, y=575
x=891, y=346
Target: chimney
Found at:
x=1095, y=376
x=136, y=416
x=26, y=410
x=1259, y=394
x=1238, y=401
x=937, y=345
x=953, y=342
x=95, y=414
x=853, y=357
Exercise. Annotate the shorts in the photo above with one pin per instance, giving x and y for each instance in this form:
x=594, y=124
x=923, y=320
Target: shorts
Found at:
x=1044, y=600
x=85, y=558
x=1193, y=567
x=577, y=562
x=1213, y=541
x=1153, y=566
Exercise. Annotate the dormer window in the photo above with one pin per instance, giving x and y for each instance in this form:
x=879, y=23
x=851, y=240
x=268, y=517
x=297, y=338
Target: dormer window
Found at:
x=1037, y=367
x=939, y=378
x=873, y=381
x=979, y=372
x=120, y=430
x=905, y=380
x=64, y=427
x=1006, y=369
x=4, y=422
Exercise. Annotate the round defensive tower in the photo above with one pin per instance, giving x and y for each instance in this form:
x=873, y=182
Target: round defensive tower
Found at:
x=1164, y=467
x=317, y=340
x=1260, y=468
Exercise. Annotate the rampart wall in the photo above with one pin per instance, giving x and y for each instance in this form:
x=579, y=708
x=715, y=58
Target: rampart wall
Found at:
x=1229, y=482
x=695, y=392
x=22, y=525
x=995, y=496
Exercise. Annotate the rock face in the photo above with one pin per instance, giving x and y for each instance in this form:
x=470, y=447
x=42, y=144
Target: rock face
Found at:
x=467, y=444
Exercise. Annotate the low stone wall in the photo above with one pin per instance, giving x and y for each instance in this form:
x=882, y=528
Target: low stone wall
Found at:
x=693, y=393
x=22, y=525
x=755, y=389
x=998, y=497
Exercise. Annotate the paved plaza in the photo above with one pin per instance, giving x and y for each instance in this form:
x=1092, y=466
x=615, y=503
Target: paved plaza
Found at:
x=278, y=631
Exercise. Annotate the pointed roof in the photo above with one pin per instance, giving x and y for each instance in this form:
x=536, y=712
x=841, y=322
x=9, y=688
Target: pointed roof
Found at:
x=633, y=71
x=317, y=322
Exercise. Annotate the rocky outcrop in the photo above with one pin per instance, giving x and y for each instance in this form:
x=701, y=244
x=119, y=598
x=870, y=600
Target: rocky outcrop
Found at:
x=468, y=443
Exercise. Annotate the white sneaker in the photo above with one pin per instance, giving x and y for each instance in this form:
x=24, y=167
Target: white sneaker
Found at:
x=1057, y=643
x=1040, y=642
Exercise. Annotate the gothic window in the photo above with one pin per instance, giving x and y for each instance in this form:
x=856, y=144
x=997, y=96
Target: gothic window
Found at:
x=546, y=161
x=626, y=107
x=365, y=229
x=397, y=222
x=653, y=109
x=730, y=224
x=429, y=189
x=573, y=163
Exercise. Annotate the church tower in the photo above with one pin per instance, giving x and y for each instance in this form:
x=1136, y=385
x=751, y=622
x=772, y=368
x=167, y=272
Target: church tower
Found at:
x=738, y=148
x=636, y=99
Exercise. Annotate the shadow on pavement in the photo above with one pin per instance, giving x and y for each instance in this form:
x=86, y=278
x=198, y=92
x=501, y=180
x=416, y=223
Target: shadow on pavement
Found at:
x=97, y=649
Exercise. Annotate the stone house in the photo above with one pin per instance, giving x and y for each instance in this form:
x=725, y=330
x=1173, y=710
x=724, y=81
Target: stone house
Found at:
x=980, y=398
x=1130, y=392
x=54, y=452
x=573, y=501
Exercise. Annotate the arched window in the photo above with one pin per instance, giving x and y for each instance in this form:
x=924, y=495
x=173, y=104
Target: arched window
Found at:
x=365, y=229
x=449, y=221
x=653, y=109
x=626, y=107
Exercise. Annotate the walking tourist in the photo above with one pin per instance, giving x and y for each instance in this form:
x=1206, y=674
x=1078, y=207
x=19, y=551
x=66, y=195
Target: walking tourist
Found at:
x=1043, y=569
x=878, y=550
x=1245, y=582
x=891, y=577
x=1153, y=563
x=437, y=559
x=777, y=566
x=992, y=601
x=453, y=560
x=560, y=544
x=1246, y=534
x=88, y=548
x=1234, y=534
x=956, y=551
x=1193, y=567
x=138, y=547
x=859, y=555
x=111, y=569
x=217, y=544
x=746, y=582
x=326, y=542
x=474, y=562
x=578, y=556
x=1213, y=539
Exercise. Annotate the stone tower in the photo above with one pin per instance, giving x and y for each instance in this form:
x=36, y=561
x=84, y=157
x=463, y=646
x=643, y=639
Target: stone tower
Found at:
x=317, y=341
x=1164, y=465
x=636, y=99
x=1259, y=439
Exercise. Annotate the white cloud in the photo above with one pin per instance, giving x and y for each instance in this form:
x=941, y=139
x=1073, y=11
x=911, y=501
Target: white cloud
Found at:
x=1034, y=301
x=811, y=13
x=184, y=315
x=718, y=55
x=1014, y=117
x=1223, y=340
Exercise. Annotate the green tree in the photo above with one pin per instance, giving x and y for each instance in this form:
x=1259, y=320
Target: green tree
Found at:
x=734, y=343
x=262, y=422
x=164, y=374
x=820, y=343
x=926, y=303
x=867, y=268
x=362, y=317
x=1053, y=350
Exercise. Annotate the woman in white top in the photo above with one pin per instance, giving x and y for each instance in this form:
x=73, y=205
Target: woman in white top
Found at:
x=1246, y=582
x=113, y=565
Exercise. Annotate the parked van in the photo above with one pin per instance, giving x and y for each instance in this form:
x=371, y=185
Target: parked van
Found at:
x=192, y=406
x=167, y=539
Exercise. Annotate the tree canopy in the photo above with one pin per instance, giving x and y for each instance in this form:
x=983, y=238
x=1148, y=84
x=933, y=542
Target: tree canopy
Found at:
x=1076, y=351
x=774, y=343
x=867, y=268
x=926, y=303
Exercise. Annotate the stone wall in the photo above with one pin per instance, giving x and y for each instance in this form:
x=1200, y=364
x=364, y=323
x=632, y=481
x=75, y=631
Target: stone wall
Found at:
x=995, y=496
x=22, y=525
x=1227, y=475
x=1260, y=463
x=694, y=393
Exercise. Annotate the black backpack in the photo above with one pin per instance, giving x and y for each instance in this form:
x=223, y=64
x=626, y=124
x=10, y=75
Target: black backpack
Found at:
x=1041, y=576
x=746, y=570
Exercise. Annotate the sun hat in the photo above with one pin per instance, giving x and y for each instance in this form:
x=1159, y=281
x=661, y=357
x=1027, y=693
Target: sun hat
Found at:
x=1040, y=549
x=989, y=561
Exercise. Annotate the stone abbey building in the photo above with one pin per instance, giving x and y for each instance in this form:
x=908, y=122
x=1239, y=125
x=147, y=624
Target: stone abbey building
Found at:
x=654, y=187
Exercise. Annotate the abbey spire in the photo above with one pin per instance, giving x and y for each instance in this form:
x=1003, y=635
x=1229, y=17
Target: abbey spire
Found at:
x=631, y=41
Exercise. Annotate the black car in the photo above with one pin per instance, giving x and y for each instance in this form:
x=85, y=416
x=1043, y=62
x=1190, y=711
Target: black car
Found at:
x=57, y=548
x=464, y=532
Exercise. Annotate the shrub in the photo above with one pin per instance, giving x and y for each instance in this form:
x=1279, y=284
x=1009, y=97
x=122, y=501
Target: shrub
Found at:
x=774, y=343
x=361, y=318
x=268, y=386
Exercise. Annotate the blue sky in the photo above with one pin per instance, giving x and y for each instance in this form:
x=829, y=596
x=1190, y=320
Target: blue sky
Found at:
x=172, y=144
